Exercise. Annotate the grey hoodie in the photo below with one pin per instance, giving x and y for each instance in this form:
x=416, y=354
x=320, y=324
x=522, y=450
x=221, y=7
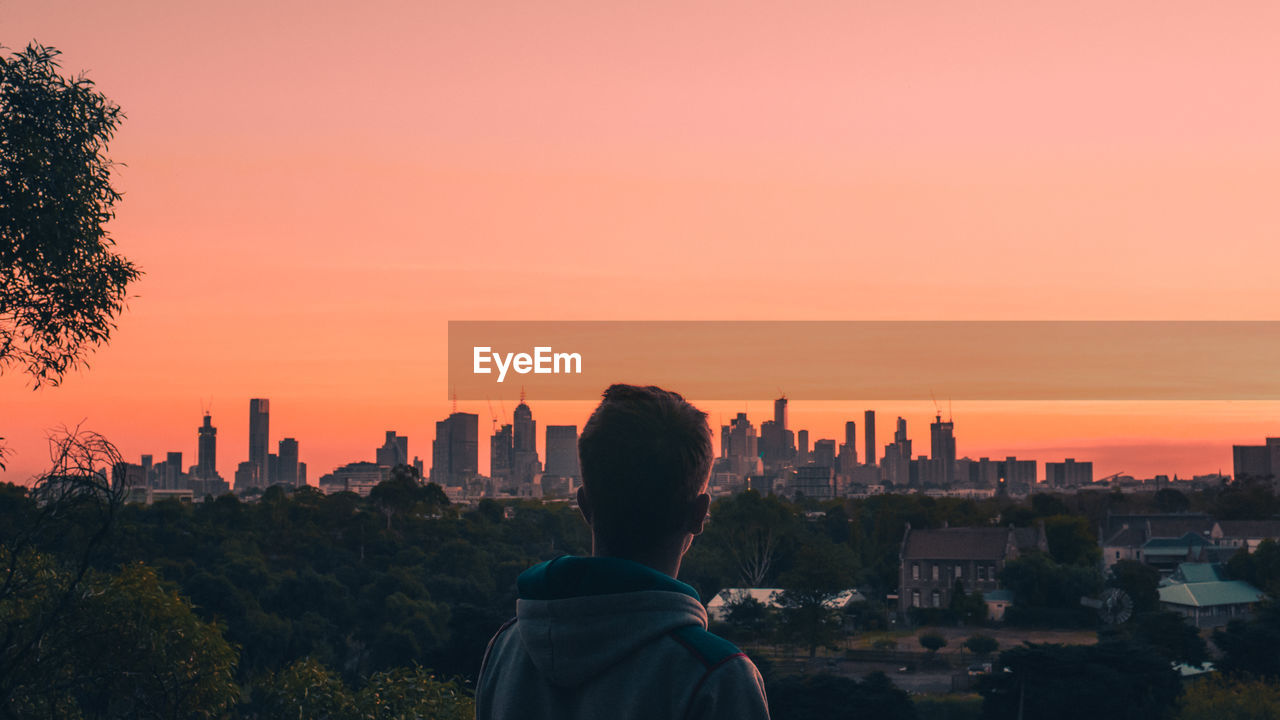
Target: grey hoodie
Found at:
x=610, y=638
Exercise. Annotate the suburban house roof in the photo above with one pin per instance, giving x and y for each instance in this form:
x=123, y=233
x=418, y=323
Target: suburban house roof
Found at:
x=1134, y=530
x=769, y=598
x=1194, y=573
x=1210, y=594
x=1249, y=529
x=957, y=544
x=1179, y=543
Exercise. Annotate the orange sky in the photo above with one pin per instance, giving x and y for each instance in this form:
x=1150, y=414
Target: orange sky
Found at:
x=314, y=189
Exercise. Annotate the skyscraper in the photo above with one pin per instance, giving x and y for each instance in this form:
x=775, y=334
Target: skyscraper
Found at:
x=172, y=471
x=562, y=451
x=287, y=463
x=207, y=449
x=395, y=451
x=942, y=450
x=454, y=452
x=500, y=449
x=259, y=431
x=869, y=427
x=524, y=448
x=780, y=412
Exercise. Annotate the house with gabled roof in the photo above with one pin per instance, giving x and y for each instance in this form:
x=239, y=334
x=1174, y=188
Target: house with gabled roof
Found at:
x=1205, y=597
x=1246, y=534
x=932, y=561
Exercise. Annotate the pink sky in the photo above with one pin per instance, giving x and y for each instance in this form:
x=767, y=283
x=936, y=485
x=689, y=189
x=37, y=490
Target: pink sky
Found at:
x=314, y=189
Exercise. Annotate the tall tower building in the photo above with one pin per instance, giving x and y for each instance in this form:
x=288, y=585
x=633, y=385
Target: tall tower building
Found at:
x=562, y=451
x=500, y=449
x=172, y=471
x=524, y=448
x=942, y=450
x=455, y=450
x=207, y=449
x=395, y=451
x=287, y=463
x=780, y=412
x=869, y=427
x=259, y=431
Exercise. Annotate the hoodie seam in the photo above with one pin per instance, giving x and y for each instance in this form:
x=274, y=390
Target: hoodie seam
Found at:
x=702, y=680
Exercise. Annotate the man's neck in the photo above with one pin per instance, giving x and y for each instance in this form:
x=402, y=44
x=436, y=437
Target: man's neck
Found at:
x=667, y=562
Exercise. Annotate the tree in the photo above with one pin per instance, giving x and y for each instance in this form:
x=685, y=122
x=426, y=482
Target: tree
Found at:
x=1071, y=542
x=981, y=645
x=1169, y=500
x=1170, y=634
x=1111, y=680
x=828, y=696
x=61, y=285
x=1224, y=698
x=967, y=607
x=822, y=571
x=128, y=646
x=750, y=529
x=1260, y=568
x=55, y=535
x=1140, y=581
x=933, y=642
x=1249, y=646
x=748, y=616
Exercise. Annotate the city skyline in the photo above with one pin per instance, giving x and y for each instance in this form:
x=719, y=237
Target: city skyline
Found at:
x=481, y=443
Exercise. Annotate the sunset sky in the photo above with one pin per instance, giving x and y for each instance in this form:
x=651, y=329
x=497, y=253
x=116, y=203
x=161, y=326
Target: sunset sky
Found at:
x=314, y=189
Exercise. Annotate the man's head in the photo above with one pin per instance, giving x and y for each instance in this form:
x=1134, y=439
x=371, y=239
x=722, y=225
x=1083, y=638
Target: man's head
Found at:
x=645, y=455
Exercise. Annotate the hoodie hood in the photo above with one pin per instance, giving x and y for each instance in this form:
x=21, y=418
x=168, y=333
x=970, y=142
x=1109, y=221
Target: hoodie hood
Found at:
x=577, y=617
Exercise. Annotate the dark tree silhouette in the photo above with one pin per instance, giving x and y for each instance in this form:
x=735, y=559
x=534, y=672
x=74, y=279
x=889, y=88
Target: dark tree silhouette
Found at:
x=61, y=286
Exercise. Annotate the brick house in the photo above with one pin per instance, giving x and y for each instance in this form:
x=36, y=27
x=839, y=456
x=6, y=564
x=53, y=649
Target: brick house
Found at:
x=933, y=560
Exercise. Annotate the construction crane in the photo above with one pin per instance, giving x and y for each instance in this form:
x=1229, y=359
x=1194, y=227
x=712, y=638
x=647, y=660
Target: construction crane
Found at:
x=1111, y=477
x=493, y=415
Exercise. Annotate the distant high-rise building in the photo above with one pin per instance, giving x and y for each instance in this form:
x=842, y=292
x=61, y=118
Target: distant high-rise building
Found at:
x=802, y=448
x=146, y=471
x=287, y=463
x=395, y=451
x=524, y=449
x=896, y=468
x=207, y=450
x=739, y=450
x=780, y=412
x=501, y=446
x=302, y=474
x=259, y=432
x=869, y=427
x=1256, y=461
x=173, y=471
x=847, y=459
x=1018, y=472
x=454, y=452
x=824, y=453
x=943, y=450
x=777, y=446
x=562, y=451
x=1068, y=473
x=245, y=474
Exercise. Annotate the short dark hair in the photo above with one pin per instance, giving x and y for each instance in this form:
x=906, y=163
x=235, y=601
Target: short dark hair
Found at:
x=645, y=455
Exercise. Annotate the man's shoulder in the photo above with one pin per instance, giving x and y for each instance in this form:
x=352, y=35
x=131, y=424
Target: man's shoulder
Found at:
x=708, y=648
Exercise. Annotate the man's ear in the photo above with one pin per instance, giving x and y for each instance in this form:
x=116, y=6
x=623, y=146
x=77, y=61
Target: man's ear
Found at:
x=698, y=520
x=584, y=506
